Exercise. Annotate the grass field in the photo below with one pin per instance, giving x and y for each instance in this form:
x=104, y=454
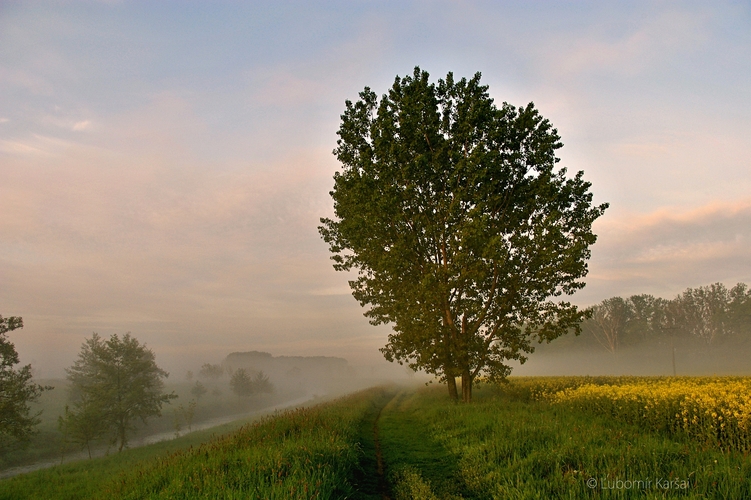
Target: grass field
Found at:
x=48, y=444
x=531, y=438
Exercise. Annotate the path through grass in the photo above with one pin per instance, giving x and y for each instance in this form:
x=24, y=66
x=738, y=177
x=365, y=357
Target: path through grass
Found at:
x=502, y=446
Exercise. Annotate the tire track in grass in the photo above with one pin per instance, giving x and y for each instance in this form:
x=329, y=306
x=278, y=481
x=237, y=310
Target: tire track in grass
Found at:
x=369, y=481
x=411, y=451
x=382, y=487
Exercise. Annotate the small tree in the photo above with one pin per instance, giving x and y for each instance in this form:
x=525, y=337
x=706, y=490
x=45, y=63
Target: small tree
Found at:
x=213, y=372
x=198, y=390
x=16, y=389
x=83, y=428
x=184, y=414
x=189, y=413
x=262, y=384
x=118, y=382
x=241, y=383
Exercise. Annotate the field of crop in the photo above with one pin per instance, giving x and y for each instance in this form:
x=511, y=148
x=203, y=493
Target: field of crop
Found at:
x=556, y=437
x=715, y=411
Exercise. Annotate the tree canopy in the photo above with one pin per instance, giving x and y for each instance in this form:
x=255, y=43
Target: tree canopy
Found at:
x=243, y=385
x=706, y=316
x=16, y=389
x=462, y=229
x=115, y=383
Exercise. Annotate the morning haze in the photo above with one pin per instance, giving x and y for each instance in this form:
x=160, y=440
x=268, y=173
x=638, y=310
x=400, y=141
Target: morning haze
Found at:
x=163, y=168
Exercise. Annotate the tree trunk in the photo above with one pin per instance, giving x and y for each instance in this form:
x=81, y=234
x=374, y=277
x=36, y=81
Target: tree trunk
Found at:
x=121, y=431
x=466, y=386
x=451, y=382
x=466, y=375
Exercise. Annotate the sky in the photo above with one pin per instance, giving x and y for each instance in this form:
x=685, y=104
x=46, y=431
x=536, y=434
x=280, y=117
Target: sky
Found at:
x=164, y=165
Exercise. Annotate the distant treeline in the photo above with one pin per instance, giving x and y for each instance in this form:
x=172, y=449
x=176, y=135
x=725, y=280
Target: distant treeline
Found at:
x=700, y=317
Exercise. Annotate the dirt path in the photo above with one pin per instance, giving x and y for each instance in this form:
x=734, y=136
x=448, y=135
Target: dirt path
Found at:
x=382, y=486
x=369, y=479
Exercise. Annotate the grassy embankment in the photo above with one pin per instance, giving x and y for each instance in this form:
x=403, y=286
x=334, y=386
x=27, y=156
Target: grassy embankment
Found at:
x=510, y=443
x=305, y=453
x=47, y=443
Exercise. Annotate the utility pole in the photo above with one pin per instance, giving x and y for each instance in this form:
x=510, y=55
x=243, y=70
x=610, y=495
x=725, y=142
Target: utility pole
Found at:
x=672, y=342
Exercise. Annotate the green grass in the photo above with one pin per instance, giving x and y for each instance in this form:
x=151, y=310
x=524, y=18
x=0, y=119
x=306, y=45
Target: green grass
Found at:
x=503, y=445
x=304, y=453
x=415, y=458
x=47, y=443
x=506, y=447
x=83, y=478
x=365, y=480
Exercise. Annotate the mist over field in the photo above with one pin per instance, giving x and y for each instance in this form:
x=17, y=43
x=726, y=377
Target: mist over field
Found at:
x=652, y=359
x=163, y=170
x=167, y=177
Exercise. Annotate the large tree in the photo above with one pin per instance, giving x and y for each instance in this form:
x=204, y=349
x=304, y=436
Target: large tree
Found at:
x=16, y=390
x=462, y=229
x=116, y=382
x=608, y=322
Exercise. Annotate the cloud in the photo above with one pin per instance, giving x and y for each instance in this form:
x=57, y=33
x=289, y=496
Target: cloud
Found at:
x=66, y=120
x=281, y=87
x=627, y=46
x=668, y=250
x=82, y=125
x=337, y=290
x=144, y=232
x=25, y=79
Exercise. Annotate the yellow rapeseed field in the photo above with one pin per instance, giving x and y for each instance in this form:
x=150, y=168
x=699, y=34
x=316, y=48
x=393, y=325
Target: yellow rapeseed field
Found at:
x=714, y=410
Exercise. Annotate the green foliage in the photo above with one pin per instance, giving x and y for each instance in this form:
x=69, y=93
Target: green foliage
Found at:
x=241, y=383
x=244, y=386
x=213, y=372
x=198, y=390
x=462, y=229
x=704, y=316
x=116, y=383
x=262, y=384
x=83, y=427
x=16, y=391
x=184, y=415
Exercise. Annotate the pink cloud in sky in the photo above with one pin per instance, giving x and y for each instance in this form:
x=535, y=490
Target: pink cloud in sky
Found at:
x=668, y=250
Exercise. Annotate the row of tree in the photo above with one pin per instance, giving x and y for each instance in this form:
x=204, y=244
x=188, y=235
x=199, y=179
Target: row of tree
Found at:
x=114, y=385
x=241, y=382
x=708, y=315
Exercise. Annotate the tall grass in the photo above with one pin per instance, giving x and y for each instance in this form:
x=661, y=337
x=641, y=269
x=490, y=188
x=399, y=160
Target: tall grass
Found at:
x=48, y=443
x=508, y=447
x=304, y=453
x=510, y=443
x=307, y=453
